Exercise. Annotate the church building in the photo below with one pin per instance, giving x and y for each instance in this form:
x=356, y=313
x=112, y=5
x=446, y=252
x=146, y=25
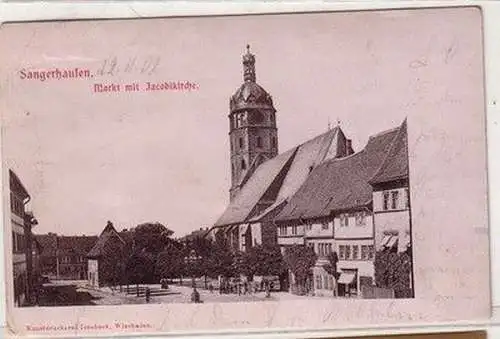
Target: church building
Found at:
x=343, y=204
x=262, y=180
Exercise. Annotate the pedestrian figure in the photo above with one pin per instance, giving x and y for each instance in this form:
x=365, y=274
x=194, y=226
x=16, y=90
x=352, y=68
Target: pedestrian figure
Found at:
x=195, y=296
x=268, y=290
x=148, y=294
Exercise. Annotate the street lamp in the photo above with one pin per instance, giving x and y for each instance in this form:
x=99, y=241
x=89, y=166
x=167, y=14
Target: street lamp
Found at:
x=192, y=260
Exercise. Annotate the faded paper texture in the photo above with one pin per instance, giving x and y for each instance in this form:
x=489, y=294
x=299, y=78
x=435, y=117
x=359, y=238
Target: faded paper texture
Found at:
x=263, y=172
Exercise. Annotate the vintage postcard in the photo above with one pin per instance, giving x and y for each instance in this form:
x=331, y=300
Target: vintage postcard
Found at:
x=244, y=173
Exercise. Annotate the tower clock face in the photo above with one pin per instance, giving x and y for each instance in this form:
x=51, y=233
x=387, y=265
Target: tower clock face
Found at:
x=257, y=117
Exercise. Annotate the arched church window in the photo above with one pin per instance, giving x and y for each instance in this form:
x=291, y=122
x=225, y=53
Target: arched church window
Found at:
x=242, y=144
x=259, y=142
x=273, y=141
x=243, y=165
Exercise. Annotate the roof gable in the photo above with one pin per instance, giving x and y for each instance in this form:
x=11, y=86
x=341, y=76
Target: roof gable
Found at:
x=108, y=234
x=395, y=165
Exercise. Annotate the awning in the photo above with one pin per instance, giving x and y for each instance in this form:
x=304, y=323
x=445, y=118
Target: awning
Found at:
x=346, y=278
x=393, y=241
x=385, y=240
x=230, y=229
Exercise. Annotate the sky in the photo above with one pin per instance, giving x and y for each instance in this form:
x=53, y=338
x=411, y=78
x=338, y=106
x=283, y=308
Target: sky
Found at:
x=162, y=156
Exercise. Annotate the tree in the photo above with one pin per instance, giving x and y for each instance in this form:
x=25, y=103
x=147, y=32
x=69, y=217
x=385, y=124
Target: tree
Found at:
x=331, y=267
x=300, y=259
x=152, y=237
x=393, y=270
x=170, y=261
x=264, y=260
x=140, y=268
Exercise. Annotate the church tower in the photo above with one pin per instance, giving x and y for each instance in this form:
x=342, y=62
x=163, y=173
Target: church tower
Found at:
x=253, y=134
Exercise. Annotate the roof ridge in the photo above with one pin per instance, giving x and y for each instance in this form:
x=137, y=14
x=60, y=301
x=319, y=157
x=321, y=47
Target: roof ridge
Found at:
x=379, y=134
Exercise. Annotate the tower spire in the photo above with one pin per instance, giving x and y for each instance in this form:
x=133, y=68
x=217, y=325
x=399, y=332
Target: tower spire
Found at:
x=249, y=66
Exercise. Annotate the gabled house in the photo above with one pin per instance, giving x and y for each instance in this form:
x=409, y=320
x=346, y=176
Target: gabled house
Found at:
x=392, y=206
x=106, y=258
x=65, y=257
x=333, y=210
x=23, y=244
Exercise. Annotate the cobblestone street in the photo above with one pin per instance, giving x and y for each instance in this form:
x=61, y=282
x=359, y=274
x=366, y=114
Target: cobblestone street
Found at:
x=176, y=294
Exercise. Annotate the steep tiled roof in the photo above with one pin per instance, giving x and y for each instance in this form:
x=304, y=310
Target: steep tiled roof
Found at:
x=65, y=245
x=309, y=155
x=48, y=242
x=245, y=201
x=107, y=234
x=76, y=245
x=339, y=183
x=395, y=165
x=293, y=167
x=16, y=185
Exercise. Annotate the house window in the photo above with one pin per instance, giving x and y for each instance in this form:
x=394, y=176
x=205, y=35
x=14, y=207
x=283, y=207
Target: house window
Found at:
x=394, y=199
x=309, y=227
x=318, y=282
x=283, y=230
x=371, y=252
x=386, y=201
x=360, y=219
x=344, y=220
x=259, y=142
x=364, y=252
x=324, y=226
x=329, y=248
x=347, y=252
x=341, y=252
x=355, y=250
x=294, y=229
